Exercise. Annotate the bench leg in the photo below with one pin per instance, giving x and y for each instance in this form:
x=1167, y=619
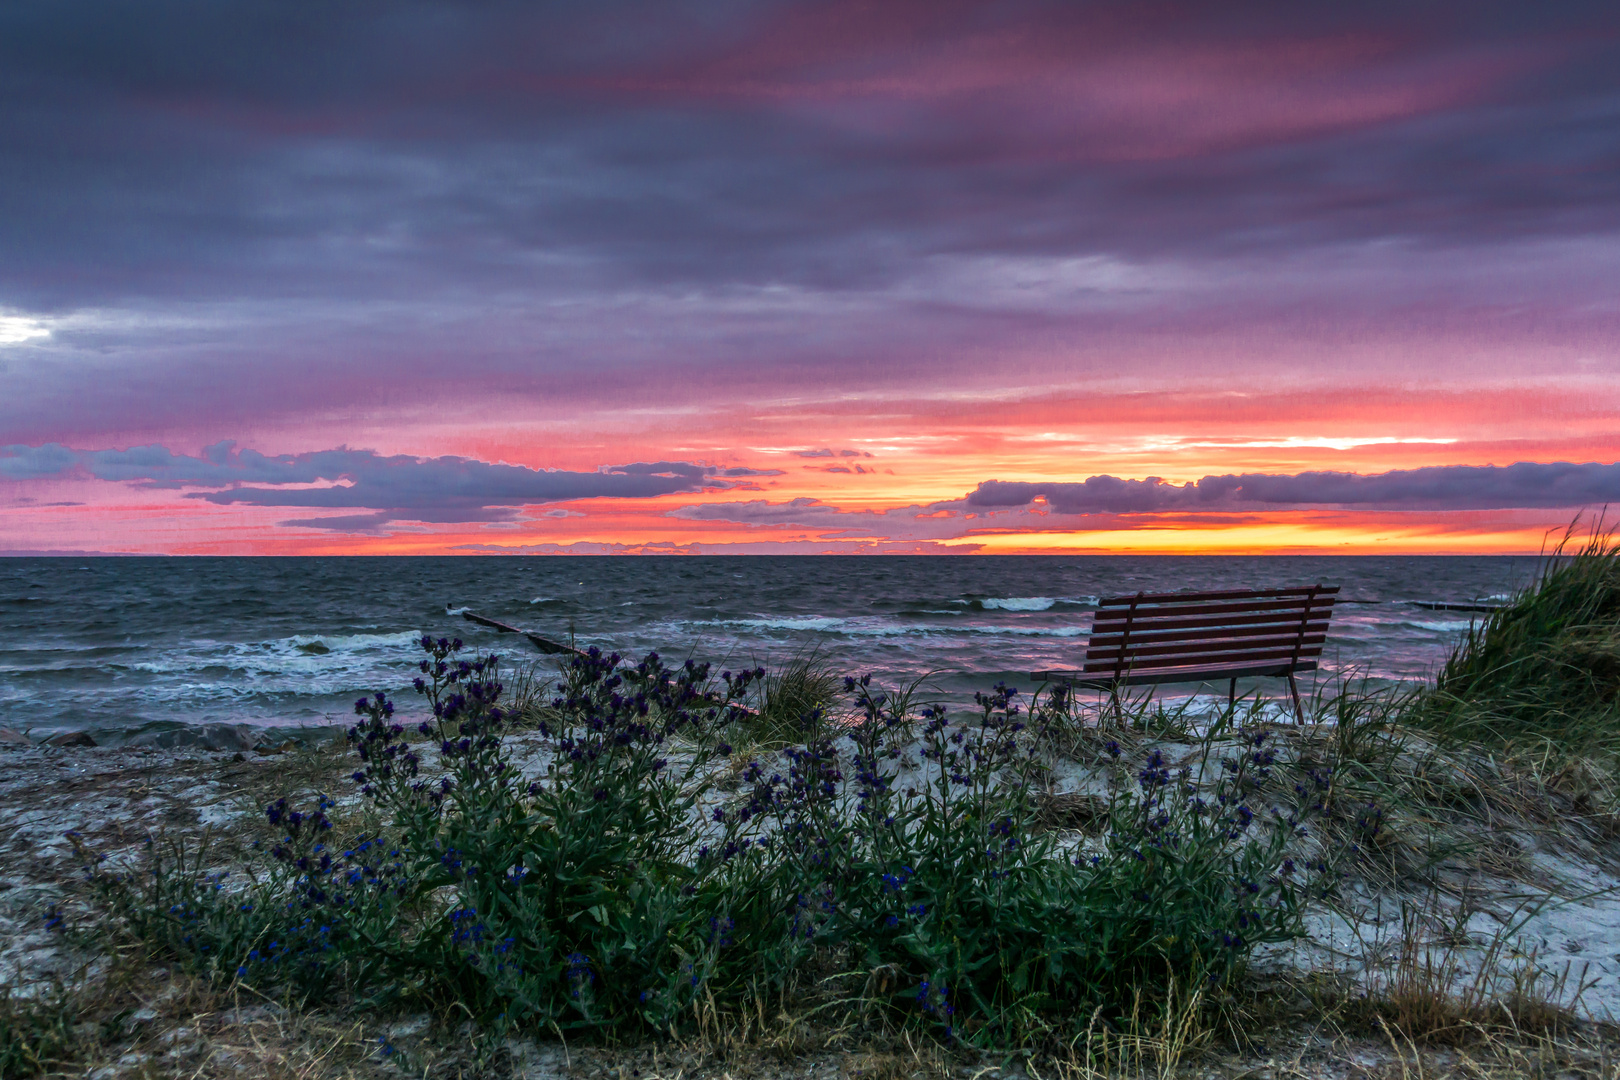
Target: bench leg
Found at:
x=1231, y=697
x=1299, y=710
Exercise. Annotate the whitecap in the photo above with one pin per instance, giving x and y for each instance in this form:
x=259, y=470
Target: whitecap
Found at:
x=1023, y=631
x=1019, y=603
x=1450, y=626
x=808, y=622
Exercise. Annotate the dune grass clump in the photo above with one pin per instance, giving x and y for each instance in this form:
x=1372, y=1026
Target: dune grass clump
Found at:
x=791, y=700
x=36, y=1033
x=1542, y=672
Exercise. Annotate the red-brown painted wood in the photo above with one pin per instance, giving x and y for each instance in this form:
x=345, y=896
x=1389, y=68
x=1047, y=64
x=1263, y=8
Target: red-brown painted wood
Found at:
x=1151, y=653
x=1148, y=636
x=1224, y=608
x=1229, y=594
x=1198, y=637
x=1112, y=625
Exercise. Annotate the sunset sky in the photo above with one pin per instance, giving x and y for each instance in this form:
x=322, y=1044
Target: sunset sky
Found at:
x=753, y=276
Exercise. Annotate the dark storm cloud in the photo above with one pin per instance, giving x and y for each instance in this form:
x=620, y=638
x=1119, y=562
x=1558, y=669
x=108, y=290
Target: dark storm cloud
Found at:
x=401, y=487
x=186, y=148
x=1446, y=487
x=35, y=462
x=385, y=185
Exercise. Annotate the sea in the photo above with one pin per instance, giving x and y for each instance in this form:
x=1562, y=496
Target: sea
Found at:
x=120, y=646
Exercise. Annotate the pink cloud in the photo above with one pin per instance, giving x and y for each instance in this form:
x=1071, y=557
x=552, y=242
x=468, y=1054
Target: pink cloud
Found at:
x=1072, y=84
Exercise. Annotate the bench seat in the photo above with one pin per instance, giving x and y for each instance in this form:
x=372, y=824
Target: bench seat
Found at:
x=1152, y=639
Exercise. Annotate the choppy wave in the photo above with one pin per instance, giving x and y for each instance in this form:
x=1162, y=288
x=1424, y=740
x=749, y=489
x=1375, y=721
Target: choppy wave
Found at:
x=1018, y=603
x=809, y=622
x=1438, y=626
x=852, y=627
x=299, y=655
x=296, y=641
x=1026, y=603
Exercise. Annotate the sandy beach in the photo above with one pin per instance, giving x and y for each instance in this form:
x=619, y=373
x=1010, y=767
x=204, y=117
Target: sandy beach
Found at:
x=1509, y=903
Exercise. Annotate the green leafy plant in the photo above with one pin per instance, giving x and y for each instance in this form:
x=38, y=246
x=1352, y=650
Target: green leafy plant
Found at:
x=617, y=889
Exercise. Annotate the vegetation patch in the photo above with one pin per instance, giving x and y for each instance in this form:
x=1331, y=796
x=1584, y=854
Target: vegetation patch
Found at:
x=619, y=889
x=1543, y=672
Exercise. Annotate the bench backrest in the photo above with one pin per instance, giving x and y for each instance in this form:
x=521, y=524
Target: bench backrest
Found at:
x=1205, y=632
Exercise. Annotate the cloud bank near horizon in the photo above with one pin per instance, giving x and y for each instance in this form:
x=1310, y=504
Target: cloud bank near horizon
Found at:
x=1522, y=485
x=1010, y=505
x=397, y=488
x=450, y=489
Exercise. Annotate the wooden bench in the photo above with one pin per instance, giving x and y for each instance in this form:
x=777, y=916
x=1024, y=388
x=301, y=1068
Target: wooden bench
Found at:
x=1155, y=638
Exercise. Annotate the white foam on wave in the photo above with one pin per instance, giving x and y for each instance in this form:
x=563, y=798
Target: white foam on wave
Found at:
x=1448, y=626
x=448, y=610
x=275, y=680
x=1023, y=631
x=1020, y=603
x=808, y=622
x=882, y=628
x=301, y=655
x=1028, y=603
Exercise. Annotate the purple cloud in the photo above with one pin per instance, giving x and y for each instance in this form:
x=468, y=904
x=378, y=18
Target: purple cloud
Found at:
x=1527, y=485
x=395, y=488
x=1002, y=505
x=825, y=452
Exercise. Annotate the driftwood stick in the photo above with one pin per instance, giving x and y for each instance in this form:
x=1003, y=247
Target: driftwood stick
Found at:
x=545, y=645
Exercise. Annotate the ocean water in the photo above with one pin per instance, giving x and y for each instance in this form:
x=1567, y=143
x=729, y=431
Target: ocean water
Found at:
x=112, y=645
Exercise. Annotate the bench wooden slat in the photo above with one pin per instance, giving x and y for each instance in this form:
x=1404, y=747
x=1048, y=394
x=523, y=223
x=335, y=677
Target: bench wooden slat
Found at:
x=1176, y=648
x=1232, y=608
x=1195, y=623
x=1195, y=637
x=1235, y=656
x=1228, y=594
x=1205, y=659
x=1207, y=673
x=1145, y=637
x=1191, y=656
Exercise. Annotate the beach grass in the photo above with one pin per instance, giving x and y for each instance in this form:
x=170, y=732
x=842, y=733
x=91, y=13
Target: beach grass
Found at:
x=791, y=698
x=1542, y=674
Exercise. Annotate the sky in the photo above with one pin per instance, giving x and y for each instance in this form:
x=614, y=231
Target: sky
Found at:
x=288, y=277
